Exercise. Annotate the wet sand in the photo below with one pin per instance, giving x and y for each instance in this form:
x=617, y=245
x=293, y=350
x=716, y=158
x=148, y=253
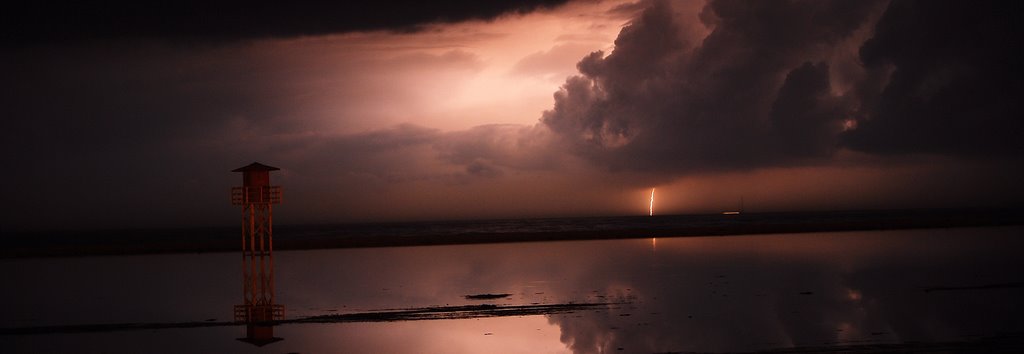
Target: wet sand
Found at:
x=411, y=314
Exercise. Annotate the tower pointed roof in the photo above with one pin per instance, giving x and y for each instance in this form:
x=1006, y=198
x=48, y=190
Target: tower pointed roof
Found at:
x=255, y=166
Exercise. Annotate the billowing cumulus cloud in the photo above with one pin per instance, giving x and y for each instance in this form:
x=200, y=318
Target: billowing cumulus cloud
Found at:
x=805, y=117
x=748, y=88
x=952, y=75
x=786, y=83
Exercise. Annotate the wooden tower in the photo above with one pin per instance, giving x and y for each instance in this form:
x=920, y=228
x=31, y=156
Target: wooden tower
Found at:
x=258, y=309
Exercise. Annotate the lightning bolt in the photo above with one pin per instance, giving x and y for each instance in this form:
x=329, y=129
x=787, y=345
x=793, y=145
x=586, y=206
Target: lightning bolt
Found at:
x=652, y=202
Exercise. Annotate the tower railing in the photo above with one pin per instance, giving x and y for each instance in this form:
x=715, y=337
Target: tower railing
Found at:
x=256, y=195
x=259, y=313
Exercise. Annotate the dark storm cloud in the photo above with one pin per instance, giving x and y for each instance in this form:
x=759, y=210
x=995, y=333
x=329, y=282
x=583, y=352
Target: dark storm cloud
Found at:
x=804, y=116
x=754, y=92
x=782, y=83
x=62, y=21
x=140, y=129
x=954, y=80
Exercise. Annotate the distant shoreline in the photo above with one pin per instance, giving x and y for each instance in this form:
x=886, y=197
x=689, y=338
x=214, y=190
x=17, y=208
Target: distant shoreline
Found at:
x=300, y=237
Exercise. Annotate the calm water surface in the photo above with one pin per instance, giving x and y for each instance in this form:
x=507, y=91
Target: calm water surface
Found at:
x=717, y=294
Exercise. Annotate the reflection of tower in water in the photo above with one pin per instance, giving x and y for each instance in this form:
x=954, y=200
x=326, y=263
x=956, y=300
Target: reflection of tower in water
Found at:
x=258, y=310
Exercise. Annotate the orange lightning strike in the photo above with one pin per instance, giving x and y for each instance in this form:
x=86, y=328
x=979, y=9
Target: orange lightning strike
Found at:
x=652, y=202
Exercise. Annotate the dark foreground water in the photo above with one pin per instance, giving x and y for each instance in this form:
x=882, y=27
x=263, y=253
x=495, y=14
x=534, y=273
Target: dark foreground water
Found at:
x=707, y=294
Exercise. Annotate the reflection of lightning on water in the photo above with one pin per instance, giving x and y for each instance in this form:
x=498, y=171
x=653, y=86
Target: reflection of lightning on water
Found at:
x=651, y=202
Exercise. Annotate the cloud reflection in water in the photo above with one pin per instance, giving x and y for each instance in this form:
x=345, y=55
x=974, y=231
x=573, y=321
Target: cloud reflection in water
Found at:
x=678, y=294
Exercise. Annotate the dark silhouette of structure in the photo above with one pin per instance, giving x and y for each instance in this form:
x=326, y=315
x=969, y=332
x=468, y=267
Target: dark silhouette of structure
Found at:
x=258, y=309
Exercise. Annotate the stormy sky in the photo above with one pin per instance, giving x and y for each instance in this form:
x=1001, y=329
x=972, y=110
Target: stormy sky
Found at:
x=131, y=115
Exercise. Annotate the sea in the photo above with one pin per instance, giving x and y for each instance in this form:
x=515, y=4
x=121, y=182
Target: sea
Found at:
x=378, y=234
x=947, y=289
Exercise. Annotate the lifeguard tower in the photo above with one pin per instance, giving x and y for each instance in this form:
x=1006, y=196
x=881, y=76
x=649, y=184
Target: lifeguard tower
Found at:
x=258, y=309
